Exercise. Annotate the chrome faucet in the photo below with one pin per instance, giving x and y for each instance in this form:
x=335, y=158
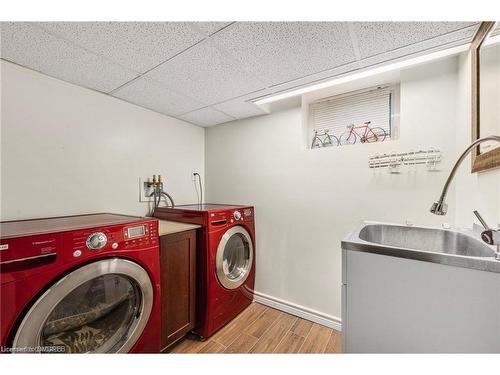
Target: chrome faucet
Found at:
x=490, y=236
x=440, y=207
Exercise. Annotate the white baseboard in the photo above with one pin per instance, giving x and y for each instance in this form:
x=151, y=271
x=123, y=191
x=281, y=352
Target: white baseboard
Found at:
x=300, y=311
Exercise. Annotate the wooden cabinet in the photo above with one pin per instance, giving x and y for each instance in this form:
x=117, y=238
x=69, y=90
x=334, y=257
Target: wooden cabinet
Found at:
x=178, y=269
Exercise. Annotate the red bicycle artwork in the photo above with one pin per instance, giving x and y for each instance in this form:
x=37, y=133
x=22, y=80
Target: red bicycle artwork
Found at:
x=364, y=133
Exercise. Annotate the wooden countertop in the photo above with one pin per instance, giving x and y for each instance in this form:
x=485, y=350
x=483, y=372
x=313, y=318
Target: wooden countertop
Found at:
x=170, y=227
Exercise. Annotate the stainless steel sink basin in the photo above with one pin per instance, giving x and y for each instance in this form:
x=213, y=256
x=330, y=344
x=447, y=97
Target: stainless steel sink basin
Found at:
x=443, y=246
x=428, y=239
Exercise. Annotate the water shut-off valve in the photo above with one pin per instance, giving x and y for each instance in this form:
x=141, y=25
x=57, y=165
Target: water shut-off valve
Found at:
x=156, y=183
x=158, y=193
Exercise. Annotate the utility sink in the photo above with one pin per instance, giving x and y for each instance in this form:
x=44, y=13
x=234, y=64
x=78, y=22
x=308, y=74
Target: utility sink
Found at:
x=428, y=239
x=443, y=246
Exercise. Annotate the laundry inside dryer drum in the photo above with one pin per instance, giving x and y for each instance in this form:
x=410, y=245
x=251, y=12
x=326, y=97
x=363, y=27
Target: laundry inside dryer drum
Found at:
x=94, y=317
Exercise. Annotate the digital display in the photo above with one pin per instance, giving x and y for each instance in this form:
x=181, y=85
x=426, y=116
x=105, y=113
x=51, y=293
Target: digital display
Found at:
x=136, y=231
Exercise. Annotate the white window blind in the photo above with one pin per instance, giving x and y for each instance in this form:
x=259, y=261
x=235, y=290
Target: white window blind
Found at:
x=336, y=113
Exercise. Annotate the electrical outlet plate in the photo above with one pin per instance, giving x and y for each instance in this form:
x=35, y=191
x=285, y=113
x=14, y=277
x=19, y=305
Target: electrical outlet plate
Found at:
x=144, y=190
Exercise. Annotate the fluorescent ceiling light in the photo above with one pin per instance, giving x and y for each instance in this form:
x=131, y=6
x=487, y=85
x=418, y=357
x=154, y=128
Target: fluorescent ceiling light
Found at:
x=366, y=73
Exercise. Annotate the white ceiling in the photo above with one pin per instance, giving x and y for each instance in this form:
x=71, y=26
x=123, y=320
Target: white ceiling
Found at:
x=207, y=73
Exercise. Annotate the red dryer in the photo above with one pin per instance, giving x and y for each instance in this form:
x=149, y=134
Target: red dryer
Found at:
x=226, y=260
x=88, y=283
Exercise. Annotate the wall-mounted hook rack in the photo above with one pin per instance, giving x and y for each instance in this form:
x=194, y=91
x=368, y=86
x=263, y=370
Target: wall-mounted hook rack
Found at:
x=430, y=157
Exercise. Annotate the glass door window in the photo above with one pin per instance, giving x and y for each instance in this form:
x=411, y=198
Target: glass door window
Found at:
x=99, y=308
x=96, y=316
x=234, y=257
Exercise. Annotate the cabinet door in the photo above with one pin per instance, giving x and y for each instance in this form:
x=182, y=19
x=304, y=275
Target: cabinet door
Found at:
x=177, y=254
x=397, y=305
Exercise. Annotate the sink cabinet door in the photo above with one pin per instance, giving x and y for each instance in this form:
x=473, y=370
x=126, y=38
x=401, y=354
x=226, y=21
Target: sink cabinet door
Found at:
x=178, y=268
x=396, y=305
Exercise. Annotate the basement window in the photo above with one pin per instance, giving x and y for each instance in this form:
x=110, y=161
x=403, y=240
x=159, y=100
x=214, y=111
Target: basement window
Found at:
x=365, y=116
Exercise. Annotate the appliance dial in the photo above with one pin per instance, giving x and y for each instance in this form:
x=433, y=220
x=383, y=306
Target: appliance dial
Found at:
x=487, y=237
x=96, y=241
x=237, y=215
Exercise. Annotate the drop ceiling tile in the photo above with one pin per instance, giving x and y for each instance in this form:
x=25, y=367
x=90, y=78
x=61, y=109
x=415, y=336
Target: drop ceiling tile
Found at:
x=29, y=46
x=206, y=117
x=208, y=28
x=283, y=51
x=430, y=45
x=251, y=44
x=378, y=37
x=205, y=74
x=319, y=45
x=136, y=45
x=150, y=94
x=240, y=108
x=427, y=46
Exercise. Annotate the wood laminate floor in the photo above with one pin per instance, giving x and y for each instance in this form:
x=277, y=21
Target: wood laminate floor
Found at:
x=261, y=329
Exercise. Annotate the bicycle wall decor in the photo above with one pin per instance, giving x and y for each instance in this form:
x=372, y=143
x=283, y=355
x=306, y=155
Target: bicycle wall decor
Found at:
x=361, y=133
x=324, y=139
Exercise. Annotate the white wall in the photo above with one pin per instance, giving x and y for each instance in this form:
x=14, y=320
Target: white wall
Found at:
x=69, y=150
x=478, y=191
x=308, y=200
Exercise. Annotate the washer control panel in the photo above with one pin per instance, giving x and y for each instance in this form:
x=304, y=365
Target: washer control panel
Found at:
x=29, y=254
x=226, y=218
x=143, y=234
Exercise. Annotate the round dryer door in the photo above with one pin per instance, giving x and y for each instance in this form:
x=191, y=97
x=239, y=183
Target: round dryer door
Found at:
x=102, y=307
x=234, y=257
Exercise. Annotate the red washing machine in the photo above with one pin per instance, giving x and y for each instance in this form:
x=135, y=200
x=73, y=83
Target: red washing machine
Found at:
x=78, y=284
x=226, y=260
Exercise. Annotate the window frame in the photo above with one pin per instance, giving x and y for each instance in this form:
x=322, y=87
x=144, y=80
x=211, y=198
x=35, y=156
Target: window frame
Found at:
x=394, y=105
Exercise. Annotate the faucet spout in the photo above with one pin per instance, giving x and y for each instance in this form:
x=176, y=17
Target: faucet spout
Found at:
x=440, y=207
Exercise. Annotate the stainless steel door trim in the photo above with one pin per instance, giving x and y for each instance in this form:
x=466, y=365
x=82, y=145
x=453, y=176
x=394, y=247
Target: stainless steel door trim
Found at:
x=219, y=261
x=28, y=258
x=30, y=330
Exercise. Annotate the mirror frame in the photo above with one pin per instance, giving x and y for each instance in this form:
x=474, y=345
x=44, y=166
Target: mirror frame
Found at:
x=490, y=159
